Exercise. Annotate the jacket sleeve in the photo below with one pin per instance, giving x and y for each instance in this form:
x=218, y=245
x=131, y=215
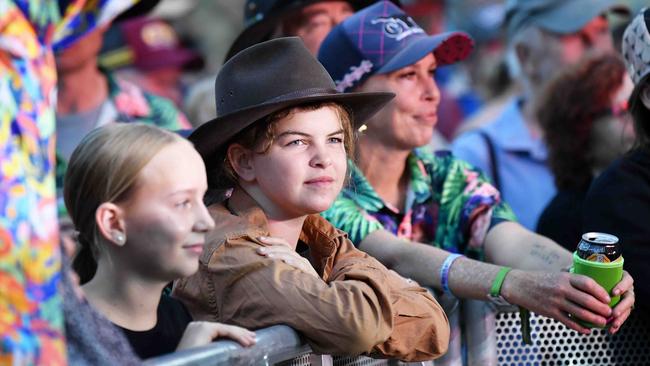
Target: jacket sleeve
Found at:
x=347, y=317
x=420, y=326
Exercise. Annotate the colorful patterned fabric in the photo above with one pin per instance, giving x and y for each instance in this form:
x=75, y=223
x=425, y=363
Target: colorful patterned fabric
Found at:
x=449, y=204
x=132, y=104
x=31, y=323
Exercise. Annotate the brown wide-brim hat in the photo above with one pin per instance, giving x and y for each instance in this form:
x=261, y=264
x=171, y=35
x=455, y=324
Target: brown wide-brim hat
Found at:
x=266, y=78
x=263, y=16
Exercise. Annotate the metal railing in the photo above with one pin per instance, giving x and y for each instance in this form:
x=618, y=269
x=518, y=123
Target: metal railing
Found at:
x=490, y=338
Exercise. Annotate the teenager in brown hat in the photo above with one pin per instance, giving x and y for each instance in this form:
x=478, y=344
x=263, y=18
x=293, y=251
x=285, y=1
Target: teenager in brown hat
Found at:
x=281, y=140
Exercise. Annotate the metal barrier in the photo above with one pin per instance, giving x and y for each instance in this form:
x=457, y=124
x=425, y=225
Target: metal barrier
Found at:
x=277, y=345
x=274, y=344
x=554, y=344
x=491, y=338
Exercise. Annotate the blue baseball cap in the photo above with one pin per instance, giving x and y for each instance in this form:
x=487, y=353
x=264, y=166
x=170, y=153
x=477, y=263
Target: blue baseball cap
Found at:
x=380, y=39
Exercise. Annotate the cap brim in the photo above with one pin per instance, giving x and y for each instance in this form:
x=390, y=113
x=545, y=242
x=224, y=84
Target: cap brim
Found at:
x=212, y=135
x=574, y=15
x=448, y=48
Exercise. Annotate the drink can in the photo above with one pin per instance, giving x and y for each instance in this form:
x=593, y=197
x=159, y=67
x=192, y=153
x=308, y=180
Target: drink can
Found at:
x=599, y=247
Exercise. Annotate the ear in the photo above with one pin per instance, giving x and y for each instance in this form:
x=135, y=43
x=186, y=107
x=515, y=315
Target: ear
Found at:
x=241, y=160
x=110, y=223
x=645, y=95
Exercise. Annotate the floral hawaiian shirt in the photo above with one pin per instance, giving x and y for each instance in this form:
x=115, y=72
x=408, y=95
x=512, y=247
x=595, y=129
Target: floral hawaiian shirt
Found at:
x=449, y=204
x=31, y=323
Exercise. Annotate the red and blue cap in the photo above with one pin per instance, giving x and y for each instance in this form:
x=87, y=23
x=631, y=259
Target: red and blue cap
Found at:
x=382, y=38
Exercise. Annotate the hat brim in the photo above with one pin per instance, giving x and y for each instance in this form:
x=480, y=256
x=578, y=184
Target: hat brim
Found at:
x=214, y=134
x=263, y=29
x=448, y=48
x=182, y=58
x=141, y=8
x=574, y=15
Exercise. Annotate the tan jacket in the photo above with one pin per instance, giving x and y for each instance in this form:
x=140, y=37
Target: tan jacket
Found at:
x=357, y=306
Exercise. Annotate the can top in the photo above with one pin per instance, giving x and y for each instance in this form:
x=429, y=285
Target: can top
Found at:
x=600, y=238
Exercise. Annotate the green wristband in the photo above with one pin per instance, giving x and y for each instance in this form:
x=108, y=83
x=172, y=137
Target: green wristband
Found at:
x=498, y=281
x=524, y=314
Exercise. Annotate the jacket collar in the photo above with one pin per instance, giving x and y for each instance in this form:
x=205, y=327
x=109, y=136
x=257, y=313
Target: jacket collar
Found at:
x=241, y=217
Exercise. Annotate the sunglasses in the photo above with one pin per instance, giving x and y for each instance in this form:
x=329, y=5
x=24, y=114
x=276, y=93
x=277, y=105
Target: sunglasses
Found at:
x=619, y=110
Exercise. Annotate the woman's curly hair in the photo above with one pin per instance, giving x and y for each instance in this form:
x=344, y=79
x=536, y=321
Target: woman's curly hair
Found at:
x=569, y=105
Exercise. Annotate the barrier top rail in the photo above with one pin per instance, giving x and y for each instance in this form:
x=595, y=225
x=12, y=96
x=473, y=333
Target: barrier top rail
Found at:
x=274, y=344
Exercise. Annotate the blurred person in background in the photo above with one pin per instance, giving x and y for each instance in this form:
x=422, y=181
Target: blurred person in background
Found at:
x=468, y=86
x=618, y=201
x=147, y=52
x=90, y=97
x=310, y=20
x=586, y=126
x=544, y=36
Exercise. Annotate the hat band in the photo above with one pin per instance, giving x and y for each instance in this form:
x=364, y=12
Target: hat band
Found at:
x=355, y=74
x=283, y=98
x=301, y=94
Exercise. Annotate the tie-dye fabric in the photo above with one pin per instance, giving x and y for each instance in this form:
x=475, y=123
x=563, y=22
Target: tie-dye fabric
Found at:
x=31, y=324
x=449, y=204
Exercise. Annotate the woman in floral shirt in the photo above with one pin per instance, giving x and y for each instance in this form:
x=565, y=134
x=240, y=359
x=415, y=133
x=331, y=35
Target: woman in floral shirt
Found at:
x=401, y=196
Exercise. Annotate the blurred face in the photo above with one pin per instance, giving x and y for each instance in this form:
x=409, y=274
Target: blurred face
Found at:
x=81, y=52
x=304, y=169
x=409, y=120
x=546, y=55
x=165, y=219
x=613, y=135
x=594, y=36
x=315, y=21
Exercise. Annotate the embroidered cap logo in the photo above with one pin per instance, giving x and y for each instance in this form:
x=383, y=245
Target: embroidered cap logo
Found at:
x=399, y=26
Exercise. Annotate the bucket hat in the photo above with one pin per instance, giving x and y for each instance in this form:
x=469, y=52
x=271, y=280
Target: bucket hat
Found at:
x=382, y=38
x=261, y=17
x=266, y=78
x=636, y=46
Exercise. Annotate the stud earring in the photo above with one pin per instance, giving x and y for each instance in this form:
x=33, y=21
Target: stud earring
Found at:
x=119, y=238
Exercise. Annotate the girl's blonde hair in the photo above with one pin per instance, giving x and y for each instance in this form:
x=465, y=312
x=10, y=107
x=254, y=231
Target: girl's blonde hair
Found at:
x=104, y=168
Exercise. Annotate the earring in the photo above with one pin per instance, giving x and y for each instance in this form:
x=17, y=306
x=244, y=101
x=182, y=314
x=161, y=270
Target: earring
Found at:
x=118, y=237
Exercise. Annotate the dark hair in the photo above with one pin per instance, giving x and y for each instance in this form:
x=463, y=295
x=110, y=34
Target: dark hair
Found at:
x=104, y=168
x=568, y=107
x=640, y=114
x=259, y=137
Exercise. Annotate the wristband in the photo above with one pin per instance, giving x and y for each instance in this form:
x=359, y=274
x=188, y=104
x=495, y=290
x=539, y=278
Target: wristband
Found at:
x=495, y=297
x=444, y=271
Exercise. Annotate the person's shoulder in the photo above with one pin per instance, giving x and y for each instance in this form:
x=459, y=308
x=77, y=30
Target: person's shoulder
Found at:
x=442, y=162
x=232, y=234
x=631, y=170
x=469, y=140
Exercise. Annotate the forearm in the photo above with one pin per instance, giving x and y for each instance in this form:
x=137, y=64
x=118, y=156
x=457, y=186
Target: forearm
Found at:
x=421, y=262
x=510, y=244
